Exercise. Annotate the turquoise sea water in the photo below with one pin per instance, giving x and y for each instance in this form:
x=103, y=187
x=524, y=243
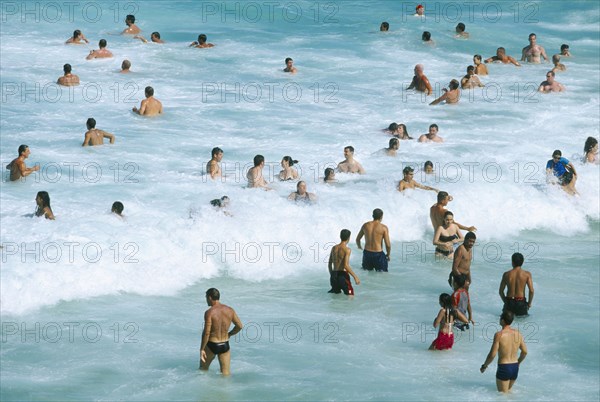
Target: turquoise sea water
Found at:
x=95, y=308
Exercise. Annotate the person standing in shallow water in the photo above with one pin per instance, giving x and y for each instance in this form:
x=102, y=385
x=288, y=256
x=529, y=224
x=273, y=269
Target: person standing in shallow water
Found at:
x=339, y=266
x=42, y=201
x=375, y=234
x=18, y=168
x=215, y=336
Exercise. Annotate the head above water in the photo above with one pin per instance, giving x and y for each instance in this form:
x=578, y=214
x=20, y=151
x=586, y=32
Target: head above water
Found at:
x=590, y=143
x=377, y=214
x=329, y=173
x=258, y=159
x=394, y=143
x=470, y=236
x=67, y=68
x=289, y=160
x=445, y=300
x=460, y=27
x=507, y=317
x=407, y=170
x=453, y=85
x=126, y=65
x=393, y=127
x=76, y=34
x=345, y=235
x=426, y=36
x=213, y=294
x=90, y=123
x=216, y=151
x=117, y=207
x=442, y=195
x=517, y=260
x=102, y=43
x=22, y=149
x=349, y=148
x=130, y=19
x=384, y=27
x=44, y=198
x=149, y=91
x=202, y=39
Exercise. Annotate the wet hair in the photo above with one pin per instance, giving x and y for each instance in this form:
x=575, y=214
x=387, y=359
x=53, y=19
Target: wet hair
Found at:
x=501, y=48
x=460, y=27
x=446, y=301
x=394, y=141
x=556, y=58
x=564, y=46
x=442, y=196
x=67, y=68
x=407, y=170
x=454, y=84
x=130, y=18
x=201, y=38
x=126, y=65
x=77, y=32
x=377, y=214
x=102, y=43
x=349, y=148
x=470, y=68
x=23, y=148
x=90, y=123
x=507, y=316
x=429, y=163
x=426, y=36
x=117, y=207
x=213, y=293
x=149, y=91
x=470, y=235
x=218, y=202
x=384, y=26
x=557, y=152
x=289, y=160
x=45, y=198
x=551, y=73
x=288, y=59
x=258, y=159
x=393, y=127
x=448, y=213
x=434, y=125
x=345, y=235
x=328, y=173
x=405, y=131
x=157, y=34
x=216, y=151
x=517, y=259
x=589, y=144
x=477, y=56
x=532, y=34
x=460, y=280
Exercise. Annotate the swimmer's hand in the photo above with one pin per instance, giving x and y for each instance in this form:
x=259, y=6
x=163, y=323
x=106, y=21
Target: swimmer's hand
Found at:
x=471, y=321
x=357, y=280
x=483, y=367
x=472, y=229
x=203, y=356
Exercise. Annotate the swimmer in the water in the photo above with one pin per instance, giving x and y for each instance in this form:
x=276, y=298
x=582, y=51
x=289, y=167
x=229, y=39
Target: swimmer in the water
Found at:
x=399, y=131
x=426, y=38
x=590, y=150
x=289, y=66
x=470, y=80
x=450, y=95
x=339, y=266
x=18, y=168
x=42, y=201
x=288, y=173
x=460, y=31
x=375, y=233
x=437, y=211
x=77, y=38
x=480, y=68
x=514, y=283
x=445, y=320
x=154, y=38
x=68, y=79
x=502, y=57
x=446, y=236
x=149, y=106
x=409, y=182
x=255, y=176
x=101, y=53
x=533, y=52
x=95, y=136
x=428, y=167
x=213, y=167
x=131, y=29
x=432, y=135
x=419, y=11
x=301, y=195
x=117, y=208
x=384, y=27
x=349, y=165
x=330, y=176
x=393, y=147
x=558, y=66
x=125, y=66
x=201, y=42
x=564, y=50
x=551, y=85
x=420, y=82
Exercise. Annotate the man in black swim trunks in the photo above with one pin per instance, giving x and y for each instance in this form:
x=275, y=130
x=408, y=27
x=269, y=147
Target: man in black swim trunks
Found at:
x=375, y=234
x=339, y=266
x=515, y=281
x=216, y=334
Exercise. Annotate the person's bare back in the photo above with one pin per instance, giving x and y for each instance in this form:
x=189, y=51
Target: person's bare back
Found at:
x=374, y=232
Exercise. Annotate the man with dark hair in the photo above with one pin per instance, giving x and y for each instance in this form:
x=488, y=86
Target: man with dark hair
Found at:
x=375, y=234
x=502, y=57
x=533, y=51
x=562, y=169
x=339, y=266
x=131, y=29
x=480, y=68
x=201, y=42
x=18, y=168
x=392, y=149
x=255, y=176
x=289, y=66
x=470, y=80
x=216, y=334
x=149, y=106
x=349, y=165
x=213, y=167
x=551, y=85
x=95, y=136
x=101, y=53
x=154, y=37
x=515, y=280
x=384, y=27
x=409, y=182
x=564, y=50
x=506, y=343
x=462, y=260
x=460, y=31
x=117, y=208
x=450, y=95
x=437, y=211
x=68, y=79
x=432, y=135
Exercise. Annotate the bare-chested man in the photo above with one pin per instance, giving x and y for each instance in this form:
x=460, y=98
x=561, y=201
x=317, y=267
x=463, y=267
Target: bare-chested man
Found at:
x=255, y=176
x=149, y=106
x=461, y=264
x=213, y=167
x=480, y=68
x=450, y=95
x=131, y=29
x=216, y=334
x=77, y=39
x=18, y=168
x=408, y=181
x=533, y=51
x=551, y=85
x=393, y=147
x=101, y=53
x=506, y=343
x=201, y=42
x=515, y=280
x=69, y=79
x=289, y=66
x=339, y=266
x=154, y=38
x=95, y=136
x=558, y=66
x=420, y=82
x=125, y=66
x=375, y=234
x=438, y=210
x=470, y=80
x=349, y=165
x=432, y=135
x=460, y=31
x=564, y=50
x=502, y=57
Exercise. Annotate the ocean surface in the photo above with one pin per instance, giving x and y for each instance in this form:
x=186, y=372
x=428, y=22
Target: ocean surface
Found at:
x=94, y=307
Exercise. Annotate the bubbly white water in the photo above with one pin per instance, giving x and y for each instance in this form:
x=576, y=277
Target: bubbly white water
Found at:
x=143, y=279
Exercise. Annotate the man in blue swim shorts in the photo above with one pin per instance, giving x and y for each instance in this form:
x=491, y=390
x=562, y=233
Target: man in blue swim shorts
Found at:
x=375, y=234
x=506, y=343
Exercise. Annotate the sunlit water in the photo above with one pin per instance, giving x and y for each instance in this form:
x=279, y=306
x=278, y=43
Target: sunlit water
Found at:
x=94, y=307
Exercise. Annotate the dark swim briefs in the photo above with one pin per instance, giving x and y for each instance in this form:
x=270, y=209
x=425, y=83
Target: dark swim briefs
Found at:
x=218, y=348
x=340, y=281
x=441, y=251
x=506, y=372
x=374, y=260
x=517, y=305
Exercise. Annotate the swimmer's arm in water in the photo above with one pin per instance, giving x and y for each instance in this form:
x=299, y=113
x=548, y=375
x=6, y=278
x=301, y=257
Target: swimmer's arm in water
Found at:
x=86, y=140
x=503, y=284
x=429, y=89
x=422, y=187
x=194, y=43
x=91, y=56
x=140, y=37
x=440, y=99
x=493, y=351
x=346, y=265
x=388, y=244
x=109, y=136
x=48, y=214
x=490, y=59
x=361, y=170
x=142, y=108
x=25, y=171
x=513, y=61
x=360, y=236
x=523, y=348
